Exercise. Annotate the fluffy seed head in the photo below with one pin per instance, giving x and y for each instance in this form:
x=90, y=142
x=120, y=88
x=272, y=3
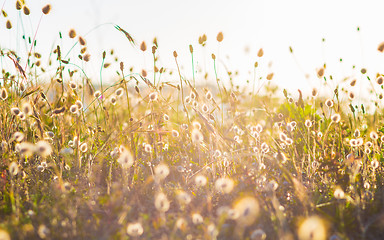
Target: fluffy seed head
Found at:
x=312, y=228
x=161, y=171
x=161, y=202
x=125, y=159
x=135, y=229
x=224, y=185
x=248, y=209
x=13, y=168
x=43, y=148
x=200, y=181
x=197, y=218
x=308, y=123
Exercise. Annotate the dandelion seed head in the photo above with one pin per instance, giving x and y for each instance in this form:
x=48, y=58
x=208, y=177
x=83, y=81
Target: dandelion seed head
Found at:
x=125, y=159
x=135, y=229
x=161, y=202
x=339, y=193
x=26, y=108
x=373, y=135
x=197, y=218
x=200, y=181
x=375, y=164
x=183, y=197
x=13, y=168
x=181, y=224
x=258, y=234
x=43, y=148
x=312, y=228
x=224, y=185
x=43, y=231
x=248, y=209
x=161, y=171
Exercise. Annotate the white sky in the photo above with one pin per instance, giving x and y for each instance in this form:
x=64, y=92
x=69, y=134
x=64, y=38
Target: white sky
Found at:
x=272, y=25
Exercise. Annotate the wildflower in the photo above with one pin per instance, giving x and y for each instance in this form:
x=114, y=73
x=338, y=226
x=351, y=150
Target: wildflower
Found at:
x=3, y=93
x=161, y=202
x=312, y=228
x=15, y=111
x=43, y=148
x=175, y=133
x=113, y=100
x=204, y=108
x=97, y=94
x=135, y=229
x=153, y=96
x=148, y=148
x=224, y=185
x=84, y=147
x=46, y=9
x=351, y=95
x=21, y=116
x=314, y=92
x=258, y=234
x=161, y=171
x=374, y=135
x=220, y=37
x=308, y=123
x=200, y=181
x=79, y=104
x=208, y=95
x=197, y=218
x=119, y=92
x=72, y=33
x=248, y=209
x=335, y=118
x=74, y=109
x=197, y=136
x=264, y=147
x=18, y=136
x=380, y=48
x=125, y=159
x=356, y=133
x=13, y=169
x=72, y=85
x=329, y=103
x=375, y=164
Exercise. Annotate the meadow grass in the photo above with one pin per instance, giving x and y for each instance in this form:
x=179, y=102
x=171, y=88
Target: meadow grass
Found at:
x=146, y=158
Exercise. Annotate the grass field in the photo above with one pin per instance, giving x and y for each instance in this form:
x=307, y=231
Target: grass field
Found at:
x=147, y=158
